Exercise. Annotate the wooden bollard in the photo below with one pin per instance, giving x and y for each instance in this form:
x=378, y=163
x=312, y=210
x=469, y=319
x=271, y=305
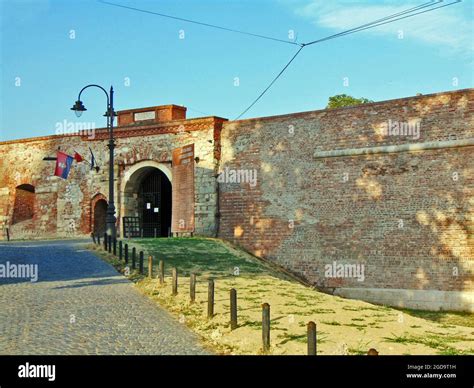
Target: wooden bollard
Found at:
x=233, y=309
x=115, y=247
x=175, y=281
x=140, y=262
x=150, y=266
x=93, y=238
x=109, y=244
x=372, y=352
x=120, y=250
x=266, y=327
x=210, y=299
x=311, y=338
x=192, y=287
x=134, y=258
x=162, y=271
x=105, y=241
x=126, y=253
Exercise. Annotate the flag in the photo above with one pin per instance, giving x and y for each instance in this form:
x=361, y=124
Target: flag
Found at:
x=63, y=164
x=92, y=159
x=78, y=157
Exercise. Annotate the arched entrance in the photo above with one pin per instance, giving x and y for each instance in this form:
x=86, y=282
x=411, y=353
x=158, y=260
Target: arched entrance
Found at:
x=147, y=195
x=24, y=206
x=100, y=213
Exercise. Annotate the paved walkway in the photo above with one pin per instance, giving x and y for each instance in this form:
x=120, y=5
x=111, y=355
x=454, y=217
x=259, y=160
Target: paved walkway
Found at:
x=80, y=305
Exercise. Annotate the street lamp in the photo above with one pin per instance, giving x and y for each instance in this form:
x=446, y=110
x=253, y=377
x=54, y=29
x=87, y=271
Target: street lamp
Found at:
x=78, y=108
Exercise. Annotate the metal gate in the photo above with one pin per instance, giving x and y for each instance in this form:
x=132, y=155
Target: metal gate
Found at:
x=154, y=201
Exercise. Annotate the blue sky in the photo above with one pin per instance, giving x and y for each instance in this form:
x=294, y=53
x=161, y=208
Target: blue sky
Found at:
x=143, y=56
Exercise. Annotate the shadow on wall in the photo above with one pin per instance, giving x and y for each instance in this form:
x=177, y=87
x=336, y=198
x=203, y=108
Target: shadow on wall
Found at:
x=407, y=217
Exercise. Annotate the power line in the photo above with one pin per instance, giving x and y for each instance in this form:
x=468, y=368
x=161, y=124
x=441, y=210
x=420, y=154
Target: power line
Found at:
x=200, y=23
x=388, y=19
x=271, y=83
x=377, y=24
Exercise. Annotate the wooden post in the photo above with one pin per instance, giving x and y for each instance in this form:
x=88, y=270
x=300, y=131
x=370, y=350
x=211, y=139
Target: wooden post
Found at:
x=115, y=247
x=162, y=271
x=266, y=327
x=134, y=258
x=311, y=338
x=109, y=244
x=210, y=299
x=150, y=267
x=105, y=241
x=8, y=234
x=192, y=287
x=233, y=309
x=93, y=238
x=98, y=239
x=140, y=262
x=126, y=253
x=120, y=250
x=175, y=281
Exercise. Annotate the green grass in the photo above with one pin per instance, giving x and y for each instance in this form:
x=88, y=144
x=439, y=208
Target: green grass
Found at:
x=331, y=323
x=440, y=342
x=204, y=257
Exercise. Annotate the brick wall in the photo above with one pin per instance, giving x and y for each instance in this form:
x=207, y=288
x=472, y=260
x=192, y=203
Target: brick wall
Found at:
x=406, y=216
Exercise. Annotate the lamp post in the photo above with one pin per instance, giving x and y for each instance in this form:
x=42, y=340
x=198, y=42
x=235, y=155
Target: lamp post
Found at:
x=78, y=108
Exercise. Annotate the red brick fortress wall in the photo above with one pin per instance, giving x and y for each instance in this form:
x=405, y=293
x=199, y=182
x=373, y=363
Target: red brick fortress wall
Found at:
x=340, y=187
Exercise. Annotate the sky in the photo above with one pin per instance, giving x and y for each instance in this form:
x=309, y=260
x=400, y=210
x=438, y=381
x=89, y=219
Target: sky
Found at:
x=50, y=49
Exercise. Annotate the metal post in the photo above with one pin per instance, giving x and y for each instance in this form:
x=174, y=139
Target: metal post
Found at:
x=140, y=262
x=192, y=287
x=150, y=267
x=210, y=299
x=175, y=281
x=162, y=272
x=311, y=338
x=233, y=309
x=266, y=327
x=110, y=218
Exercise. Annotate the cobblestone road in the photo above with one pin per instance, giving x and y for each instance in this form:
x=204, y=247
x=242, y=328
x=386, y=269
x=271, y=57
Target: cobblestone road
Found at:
x=80, y=305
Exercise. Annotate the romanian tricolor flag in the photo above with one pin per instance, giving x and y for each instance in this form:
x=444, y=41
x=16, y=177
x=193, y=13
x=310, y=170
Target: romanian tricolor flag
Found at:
x=63, y=165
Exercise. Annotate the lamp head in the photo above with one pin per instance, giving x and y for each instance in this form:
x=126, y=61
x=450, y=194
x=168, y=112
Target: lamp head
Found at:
x=78, y=108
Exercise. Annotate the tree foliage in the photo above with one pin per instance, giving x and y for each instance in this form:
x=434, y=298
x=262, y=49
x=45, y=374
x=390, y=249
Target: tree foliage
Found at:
x=341, y=100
